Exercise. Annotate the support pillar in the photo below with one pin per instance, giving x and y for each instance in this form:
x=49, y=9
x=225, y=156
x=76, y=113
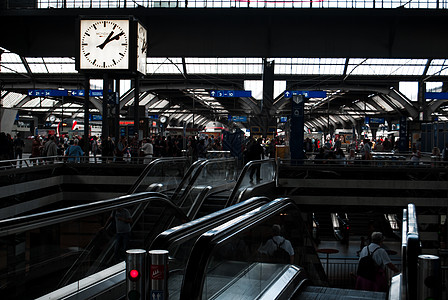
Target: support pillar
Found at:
x=117, y=111
x=105, y=123
x=86, y=137
x=136, y=103
x=297, y=123
x=267, y=121
x=422, y=107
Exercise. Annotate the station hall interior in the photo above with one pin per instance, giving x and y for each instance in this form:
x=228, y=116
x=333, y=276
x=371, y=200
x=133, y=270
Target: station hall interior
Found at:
x=290, y=70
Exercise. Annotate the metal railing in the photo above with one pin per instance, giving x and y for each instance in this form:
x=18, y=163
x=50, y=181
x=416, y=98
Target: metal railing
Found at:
x=377, y=4
x=342, y=271
x=401, y=160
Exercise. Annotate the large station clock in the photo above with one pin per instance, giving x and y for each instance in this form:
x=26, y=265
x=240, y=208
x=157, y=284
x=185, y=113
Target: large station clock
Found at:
x=104, y=44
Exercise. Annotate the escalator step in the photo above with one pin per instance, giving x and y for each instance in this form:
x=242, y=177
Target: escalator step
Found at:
x=326, y=293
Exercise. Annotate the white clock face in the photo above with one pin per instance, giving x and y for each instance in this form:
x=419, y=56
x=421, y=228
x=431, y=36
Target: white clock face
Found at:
x=104, y=44
x=142, y=48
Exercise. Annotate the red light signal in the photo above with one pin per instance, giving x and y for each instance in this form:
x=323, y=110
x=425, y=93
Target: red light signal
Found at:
x=134, y=275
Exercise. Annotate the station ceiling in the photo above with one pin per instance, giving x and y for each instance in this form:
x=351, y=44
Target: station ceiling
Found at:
x=359, y=56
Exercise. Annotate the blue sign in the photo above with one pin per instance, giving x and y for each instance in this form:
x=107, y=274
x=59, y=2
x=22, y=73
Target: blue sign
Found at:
x=439, y=96
x=306, y=94
x=60, y=93
x=239, y=119
x=95, y=117
x=229, y=94
x=81, y=93
x=283, y=119
x=370, y=120
x=56, y=93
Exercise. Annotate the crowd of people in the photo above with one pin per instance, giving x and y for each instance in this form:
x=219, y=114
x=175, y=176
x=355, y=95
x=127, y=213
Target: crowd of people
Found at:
x=126, y=149
x=133, y=149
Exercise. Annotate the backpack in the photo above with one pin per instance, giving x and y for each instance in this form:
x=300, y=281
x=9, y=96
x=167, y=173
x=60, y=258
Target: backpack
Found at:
x=367, y=267
x=280, y=255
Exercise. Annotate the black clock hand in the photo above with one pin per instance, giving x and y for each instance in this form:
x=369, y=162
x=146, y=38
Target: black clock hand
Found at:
x=106, y=41
x=145, y=45
x=117, y=37
x=109, y=39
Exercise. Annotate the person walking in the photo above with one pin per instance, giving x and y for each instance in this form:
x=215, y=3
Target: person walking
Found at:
x=74, y=152
x=147, y=150
x=19, y=144
x=255, y=152
x=379, y=283
x=50, y=149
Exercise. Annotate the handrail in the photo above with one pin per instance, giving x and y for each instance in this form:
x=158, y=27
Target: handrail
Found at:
x=197, y=262
x=413, y=250
x=34, y=221
x=167, y=237
x=404, y=278
x=135, y=216
x=182, y=198
x=186, y=178
x=231, y=199
x=198, y=201
x=148, y=169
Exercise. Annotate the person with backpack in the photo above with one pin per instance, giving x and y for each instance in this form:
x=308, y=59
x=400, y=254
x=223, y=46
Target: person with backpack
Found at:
x=277, y=248
x=372, y=264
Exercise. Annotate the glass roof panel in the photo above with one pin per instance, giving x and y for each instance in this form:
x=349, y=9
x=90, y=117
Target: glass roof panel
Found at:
x=382, y=103
x=160, y=104
x=146, y=99
x=312, y=66
x=11, y=62
x=224, y=65
x=374, y=66
x=34, y=102
x=12, y=99
x=434, y=86
x=438, y=67
x=164, y=65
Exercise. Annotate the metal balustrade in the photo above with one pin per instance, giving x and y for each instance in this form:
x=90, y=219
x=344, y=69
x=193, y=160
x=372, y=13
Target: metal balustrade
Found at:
x=342, y=271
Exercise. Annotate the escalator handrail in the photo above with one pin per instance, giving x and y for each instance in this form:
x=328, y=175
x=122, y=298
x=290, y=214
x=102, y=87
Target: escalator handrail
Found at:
x=182, y=198
x=186, y=178
x=412, y=250
x=23, y=223
x=142, y=206
x=246, y=168
x=166, y=238
x=196, y=267
x=148, y=169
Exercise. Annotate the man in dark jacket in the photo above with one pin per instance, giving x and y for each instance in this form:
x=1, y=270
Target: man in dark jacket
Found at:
x=255, y=152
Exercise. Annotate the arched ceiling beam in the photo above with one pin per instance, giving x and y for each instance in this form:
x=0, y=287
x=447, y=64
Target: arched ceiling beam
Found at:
x=435, y=105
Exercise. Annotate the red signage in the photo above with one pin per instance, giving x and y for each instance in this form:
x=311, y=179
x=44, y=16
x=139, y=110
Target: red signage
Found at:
x=157, y=272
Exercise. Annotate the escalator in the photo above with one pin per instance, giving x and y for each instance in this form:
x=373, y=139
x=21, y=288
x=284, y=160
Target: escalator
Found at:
x=225, y=262
x=43, y=251
x=325, y=229
x=319, y=292
x=179, y=240
x=76, y=245
x=225, y=195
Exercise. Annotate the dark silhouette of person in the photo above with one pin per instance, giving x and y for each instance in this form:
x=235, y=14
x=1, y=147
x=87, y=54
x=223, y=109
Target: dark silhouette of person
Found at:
x=255, y=152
